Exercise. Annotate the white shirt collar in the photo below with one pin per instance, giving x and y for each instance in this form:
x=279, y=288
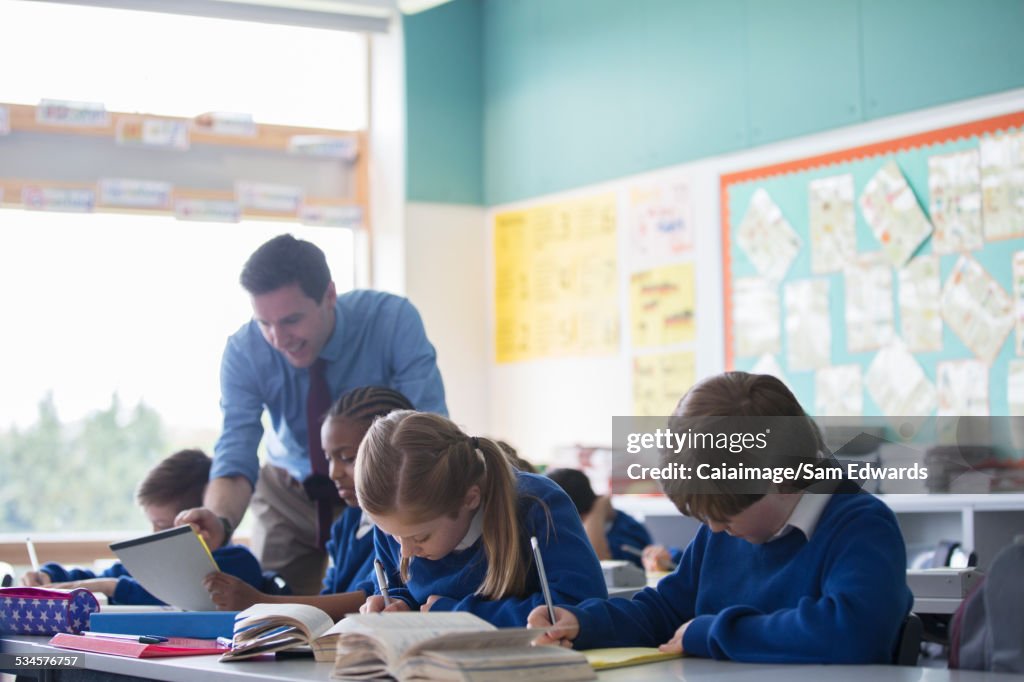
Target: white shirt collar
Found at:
x=805, y=514
x=364, y=527
x=476, y=529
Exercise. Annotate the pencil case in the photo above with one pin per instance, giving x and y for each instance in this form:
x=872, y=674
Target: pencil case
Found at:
x=42, y=611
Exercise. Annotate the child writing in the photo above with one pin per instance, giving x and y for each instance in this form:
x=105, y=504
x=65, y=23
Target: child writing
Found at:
x=174, y=484
x=613, y=534
x=796, y=576
x=350, y=576
x=454, y=522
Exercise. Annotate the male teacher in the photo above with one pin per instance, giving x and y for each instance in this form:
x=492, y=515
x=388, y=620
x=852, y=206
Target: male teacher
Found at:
x=304, y=347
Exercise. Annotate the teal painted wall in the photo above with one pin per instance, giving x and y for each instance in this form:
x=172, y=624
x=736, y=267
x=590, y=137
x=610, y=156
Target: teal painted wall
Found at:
x=444, y=104
x=510, y=99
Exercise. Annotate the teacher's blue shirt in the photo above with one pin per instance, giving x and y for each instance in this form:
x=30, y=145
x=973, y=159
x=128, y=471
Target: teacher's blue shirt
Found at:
x=378, y=340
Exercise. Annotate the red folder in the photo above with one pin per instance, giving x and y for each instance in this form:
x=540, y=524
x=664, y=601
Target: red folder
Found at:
x=175, y=646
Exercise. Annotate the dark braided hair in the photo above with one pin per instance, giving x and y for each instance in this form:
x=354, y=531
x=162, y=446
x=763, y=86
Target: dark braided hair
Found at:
x=368, y=403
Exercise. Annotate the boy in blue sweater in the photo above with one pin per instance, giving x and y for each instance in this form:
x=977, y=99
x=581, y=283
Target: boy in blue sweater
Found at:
x=175, y=484
x=777, y=574
x=454, y=522
x=350, y=575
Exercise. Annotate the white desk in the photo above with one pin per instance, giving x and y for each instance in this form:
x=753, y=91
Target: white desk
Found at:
x=209, y=669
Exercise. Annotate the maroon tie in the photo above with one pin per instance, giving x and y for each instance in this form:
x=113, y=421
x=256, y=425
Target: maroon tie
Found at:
x=322, y=490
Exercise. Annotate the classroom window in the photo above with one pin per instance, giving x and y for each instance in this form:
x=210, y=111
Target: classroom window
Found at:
x=115, y=323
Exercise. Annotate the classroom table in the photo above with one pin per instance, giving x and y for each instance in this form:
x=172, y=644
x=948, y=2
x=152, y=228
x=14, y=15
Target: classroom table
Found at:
x=209, y=669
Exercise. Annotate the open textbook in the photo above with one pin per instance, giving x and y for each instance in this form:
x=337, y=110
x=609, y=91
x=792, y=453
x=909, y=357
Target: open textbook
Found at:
x=447, y=646
x=171, y=566
x=265, y=628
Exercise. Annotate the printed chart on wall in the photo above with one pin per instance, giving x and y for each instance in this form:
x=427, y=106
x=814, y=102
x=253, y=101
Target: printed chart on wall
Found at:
x=886, y=279
x=556, y=280
x=662, y=292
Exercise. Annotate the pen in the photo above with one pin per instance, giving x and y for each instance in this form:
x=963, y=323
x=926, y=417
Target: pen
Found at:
x=630, y=549
x=543, y=579
x=32, y=554
x=382, y=581
x=141, y=639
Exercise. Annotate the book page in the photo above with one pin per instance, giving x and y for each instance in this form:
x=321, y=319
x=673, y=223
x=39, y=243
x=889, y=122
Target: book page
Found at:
x=398, y=632
x=259, y=618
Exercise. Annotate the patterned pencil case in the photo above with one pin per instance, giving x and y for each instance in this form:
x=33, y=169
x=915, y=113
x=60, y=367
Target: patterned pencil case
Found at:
x=41, y=611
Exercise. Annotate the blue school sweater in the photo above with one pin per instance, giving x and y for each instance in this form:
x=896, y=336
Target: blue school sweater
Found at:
x=235, y=560
x=351, y=566
x=572, y=568
x=839, y=597
x=625, y=530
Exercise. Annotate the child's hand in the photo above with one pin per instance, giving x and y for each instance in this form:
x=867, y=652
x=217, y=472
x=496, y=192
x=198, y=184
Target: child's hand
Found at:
x=206, y=523
x=375, y=604
x=230, y=593
x=430, y=602
x=656, y=559
x=103, y=585
x=566, y=629
x=675, y=645
x=36, y=579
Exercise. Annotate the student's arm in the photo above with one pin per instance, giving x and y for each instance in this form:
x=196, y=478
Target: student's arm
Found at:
x=414, y=362
x=864, y=599
x=231, y=594
x=573, y=571
x=225, y=497
x=627, y=532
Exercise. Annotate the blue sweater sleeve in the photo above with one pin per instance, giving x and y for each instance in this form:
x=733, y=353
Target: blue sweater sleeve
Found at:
x=855, y=620
x=572, y=568
x=389, y=553
x=414, y=362
x=653, y=615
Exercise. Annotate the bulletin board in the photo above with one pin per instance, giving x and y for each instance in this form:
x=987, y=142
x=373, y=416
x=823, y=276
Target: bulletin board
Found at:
x=923, y=304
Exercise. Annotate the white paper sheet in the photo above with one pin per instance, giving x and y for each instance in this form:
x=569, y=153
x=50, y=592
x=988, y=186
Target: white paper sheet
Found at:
x=1015, y=388
x=898, y=384
x=659, y=221
x=767, y=238
x=756, y=325
x=963, y=388
x=808, y=326
x=919, y=296
x=977, y=308
x=869, y=307
x=1002, y=185
x=891, y=209
x=832, y=223
x=954, y=197
x=1018, y=301
x=838, y=392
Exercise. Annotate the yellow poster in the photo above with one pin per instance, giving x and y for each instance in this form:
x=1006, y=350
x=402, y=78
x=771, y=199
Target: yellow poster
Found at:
x=661, y=305
x=555, y=288
x=659, y=381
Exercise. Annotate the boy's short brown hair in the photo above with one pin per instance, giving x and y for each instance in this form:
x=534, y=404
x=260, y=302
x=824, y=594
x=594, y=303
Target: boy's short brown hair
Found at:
x=179, y=479
x=734, y=402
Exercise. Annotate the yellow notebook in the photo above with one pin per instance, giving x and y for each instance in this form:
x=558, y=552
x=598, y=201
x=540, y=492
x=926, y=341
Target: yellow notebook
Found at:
x=620, y=657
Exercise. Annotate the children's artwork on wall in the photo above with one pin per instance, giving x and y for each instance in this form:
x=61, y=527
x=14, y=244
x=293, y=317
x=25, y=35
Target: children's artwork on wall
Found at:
x=1018, y=300
x=808, y=327
x=659, y=221
x=64, y=200
x=832, y=223
x=156, y=133
x=869, y=308
x=207, y=210
x=662, y=305
x=659, y=380
x=892, y=211
x=920, y=315
x=947, y=287
x=838, y=391
x=132, y=193
x=954, y=189
x=767, y=238
x=977, y=308
x=1015, y=388
x=898, y=385
x=756, y=316
x=1002, y=185
x=962, y=388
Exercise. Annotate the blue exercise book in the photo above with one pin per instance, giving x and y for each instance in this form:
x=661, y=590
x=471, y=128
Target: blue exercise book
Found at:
x=196, y=624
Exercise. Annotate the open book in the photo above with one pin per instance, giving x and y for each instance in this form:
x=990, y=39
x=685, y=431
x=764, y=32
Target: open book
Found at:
x=265, y=628
x=447, y=646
